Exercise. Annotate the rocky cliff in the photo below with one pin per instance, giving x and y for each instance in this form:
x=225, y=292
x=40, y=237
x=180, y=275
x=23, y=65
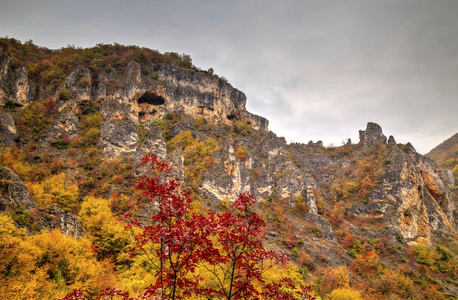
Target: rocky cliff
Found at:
x=147, y=94
x=411, y=196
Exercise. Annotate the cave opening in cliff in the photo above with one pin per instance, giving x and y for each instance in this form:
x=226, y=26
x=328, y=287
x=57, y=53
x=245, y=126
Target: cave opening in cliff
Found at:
x=151, y=98
x=231, y=117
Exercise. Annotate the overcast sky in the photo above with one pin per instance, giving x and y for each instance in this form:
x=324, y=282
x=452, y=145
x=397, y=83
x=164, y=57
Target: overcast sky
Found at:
x=318, y=70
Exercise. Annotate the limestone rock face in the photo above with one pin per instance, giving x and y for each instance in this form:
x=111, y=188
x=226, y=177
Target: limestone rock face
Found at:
x=64, y=221
x=198, y=94
x=13, y=192
x=147, y=95
x=5, y=61
x=412, y=197
x=119, y=138
x=119, y=132
x=78, y=85
x=154, y=144
x=373, y=134
x=67, y=124
x=266, y=172
x=5, y=88
x=228, y=177
x=8, y=131
x=15, y=85
x=23, y=88
x=324, y=226
x=168, y=89
x=448, y=178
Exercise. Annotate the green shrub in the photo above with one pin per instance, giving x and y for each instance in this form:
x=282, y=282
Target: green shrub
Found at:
x=90, y=137
x=35, y=118
x=85, y=81
x=10, y=105
x=241, y=127
x=59, y=144
x=64, y=94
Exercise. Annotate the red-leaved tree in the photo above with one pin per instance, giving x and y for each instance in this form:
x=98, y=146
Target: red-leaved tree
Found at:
x=240, y=257
x=177, y=241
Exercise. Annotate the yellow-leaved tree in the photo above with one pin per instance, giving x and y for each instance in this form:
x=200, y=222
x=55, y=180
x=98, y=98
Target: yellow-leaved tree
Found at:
x=19, y=271
x=344, y=294
x=48, y=265
x=70, y=264
x=104, y=230
x=55, y=190
x=112, y=243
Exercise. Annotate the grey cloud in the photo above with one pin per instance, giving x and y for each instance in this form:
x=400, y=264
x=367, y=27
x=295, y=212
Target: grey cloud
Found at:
x=315, y=69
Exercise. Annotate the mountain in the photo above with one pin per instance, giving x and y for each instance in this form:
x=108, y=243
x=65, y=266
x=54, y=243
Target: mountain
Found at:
x=445, y=154
x=76, y=122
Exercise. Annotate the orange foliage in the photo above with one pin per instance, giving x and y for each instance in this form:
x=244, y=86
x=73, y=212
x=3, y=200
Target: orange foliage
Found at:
x=365, y=263
x=334, y=278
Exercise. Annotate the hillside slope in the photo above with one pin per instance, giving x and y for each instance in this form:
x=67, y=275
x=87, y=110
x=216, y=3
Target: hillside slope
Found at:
x=75, y=123
x=445, y=154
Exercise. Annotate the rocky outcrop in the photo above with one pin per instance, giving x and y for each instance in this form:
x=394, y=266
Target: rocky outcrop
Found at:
x=267, y=172
x=412, y=197
x=154, y=143
x=67, y=223
x=14, y=194
x=448, y=177
x=228, y=176
x=188, y=92
x=119, y=132
x=78, y=86
x=8, y=131
x=134, y=98
x=15, y=85
x=119, y=138
x=65, y=128
x=147, y=96
x=373, y=134
x=23, y=88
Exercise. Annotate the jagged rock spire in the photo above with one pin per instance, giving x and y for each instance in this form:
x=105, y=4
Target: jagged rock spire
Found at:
x=373, y=134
